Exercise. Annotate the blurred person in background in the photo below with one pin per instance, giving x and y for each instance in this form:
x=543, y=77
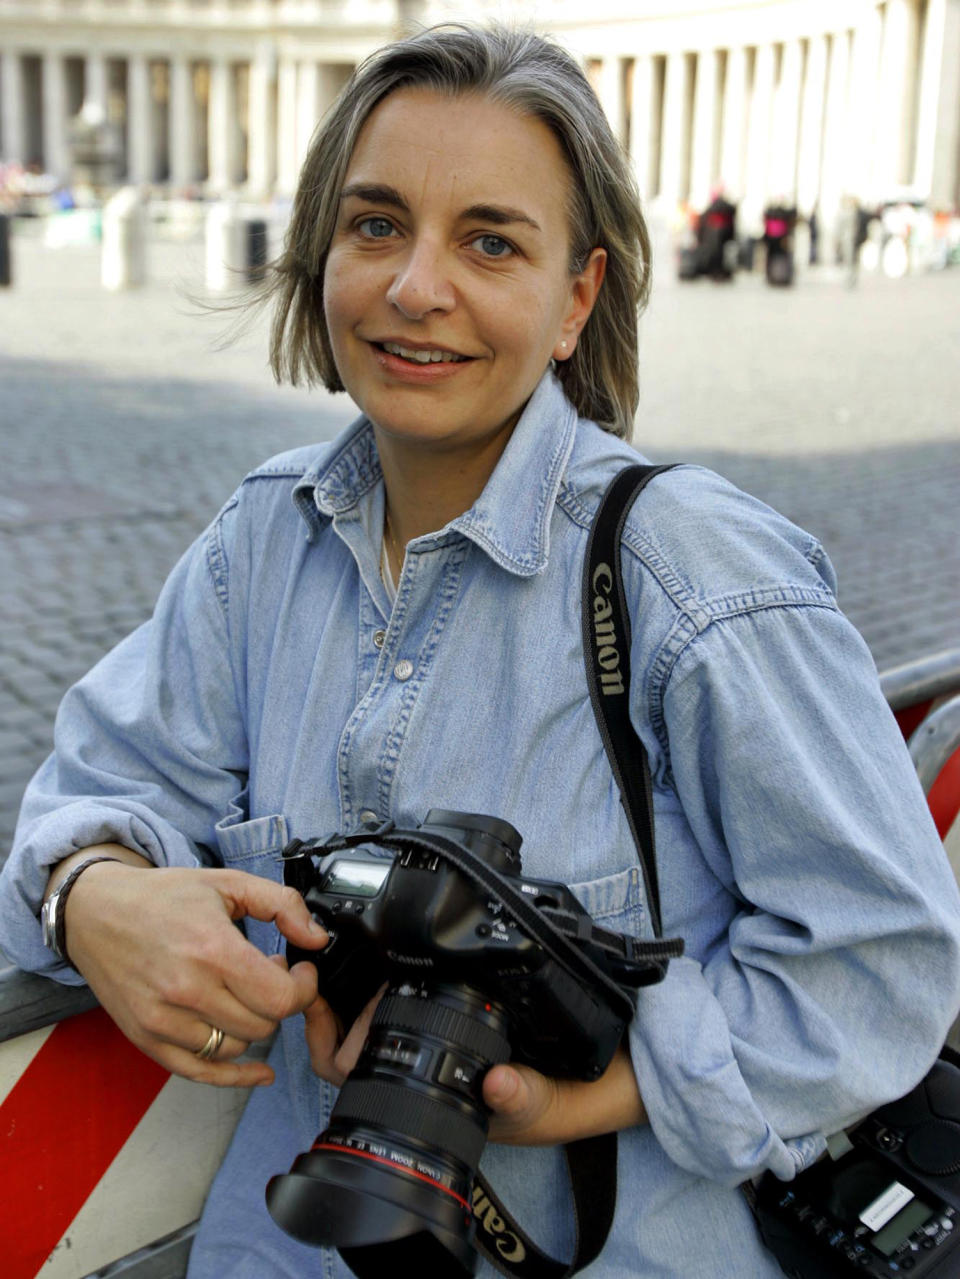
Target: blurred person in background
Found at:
x=717, y=231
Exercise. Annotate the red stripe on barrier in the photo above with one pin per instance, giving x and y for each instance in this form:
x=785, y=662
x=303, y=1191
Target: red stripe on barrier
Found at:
x=944, y=796
x=911, y=717
x=61, y=1127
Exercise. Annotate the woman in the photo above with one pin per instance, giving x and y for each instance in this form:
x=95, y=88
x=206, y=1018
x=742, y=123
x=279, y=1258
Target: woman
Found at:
x=466, y=258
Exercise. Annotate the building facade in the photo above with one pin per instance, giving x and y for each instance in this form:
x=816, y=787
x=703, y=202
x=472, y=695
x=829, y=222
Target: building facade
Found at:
x=802, y=100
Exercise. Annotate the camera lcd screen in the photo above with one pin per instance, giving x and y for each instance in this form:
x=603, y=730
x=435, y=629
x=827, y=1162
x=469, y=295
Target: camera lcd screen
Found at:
x=902, y=1227
x=356, y=879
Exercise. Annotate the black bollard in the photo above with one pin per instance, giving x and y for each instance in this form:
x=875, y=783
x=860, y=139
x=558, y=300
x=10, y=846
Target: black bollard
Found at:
x=6, y=268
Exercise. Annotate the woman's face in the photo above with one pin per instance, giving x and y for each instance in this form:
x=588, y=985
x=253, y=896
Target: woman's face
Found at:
x=447, y=287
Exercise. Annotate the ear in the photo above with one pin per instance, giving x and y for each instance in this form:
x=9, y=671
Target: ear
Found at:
x=584, y=289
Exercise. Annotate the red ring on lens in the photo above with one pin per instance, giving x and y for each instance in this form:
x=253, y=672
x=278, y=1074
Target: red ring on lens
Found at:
x=388, y=1163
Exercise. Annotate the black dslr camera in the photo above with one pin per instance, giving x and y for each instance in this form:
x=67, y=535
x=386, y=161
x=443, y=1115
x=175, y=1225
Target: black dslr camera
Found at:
x=887, y=1206
x=481, y=966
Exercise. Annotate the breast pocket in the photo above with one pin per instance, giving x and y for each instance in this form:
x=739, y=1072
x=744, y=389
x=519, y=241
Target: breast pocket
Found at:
x=614, y=901
x=255, y=846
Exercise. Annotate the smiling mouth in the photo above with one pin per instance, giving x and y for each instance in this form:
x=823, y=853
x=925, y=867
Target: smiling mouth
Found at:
x=420, y=355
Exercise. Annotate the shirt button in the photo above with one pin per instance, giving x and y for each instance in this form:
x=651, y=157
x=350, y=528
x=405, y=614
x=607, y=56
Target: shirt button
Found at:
x=368, y=815
x=403, y=670
x=378, y=638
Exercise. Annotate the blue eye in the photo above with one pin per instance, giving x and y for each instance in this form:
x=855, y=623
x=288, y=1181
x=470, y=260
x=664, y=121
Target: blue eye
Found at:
x=376, y=228
x=492, y=246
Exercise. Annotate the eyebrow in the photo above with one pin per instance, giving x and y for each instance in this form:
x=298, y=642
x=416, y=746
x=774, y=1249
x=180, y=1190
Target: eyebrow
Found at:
x=499, y=215
x=375, y=193
x=379, y=193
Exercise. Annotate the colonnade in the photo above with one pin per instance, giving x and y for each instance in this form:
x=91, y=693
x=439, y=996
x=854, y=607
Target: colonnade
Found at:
x=872, y=110
x=182, y=120
x=800, y=101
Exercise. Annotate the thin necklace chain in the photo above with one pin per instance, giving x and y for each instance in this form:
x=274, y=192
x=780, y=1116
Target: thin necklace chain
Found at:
x=390, y=542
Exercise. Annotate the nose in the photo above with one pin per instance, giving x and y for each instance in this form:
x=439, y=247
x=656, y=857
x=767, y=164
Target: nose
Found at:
x=422, y=283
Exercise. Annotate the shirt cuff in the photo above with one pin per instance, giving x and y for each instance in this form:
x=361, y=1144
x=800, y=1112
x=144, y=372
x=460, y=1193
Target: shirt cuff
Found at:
x=47, y=841
x=699, y=1105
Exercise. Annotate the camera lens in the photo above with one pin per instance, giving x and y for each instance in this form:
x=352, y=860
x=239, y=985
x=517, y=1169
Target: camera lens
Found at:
x=406, y=1134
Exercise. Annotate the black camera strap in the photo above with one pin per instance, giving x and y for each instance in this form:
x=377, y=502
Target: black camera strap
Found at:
x=551, y=929
x=606, y=647
x=592, y=1162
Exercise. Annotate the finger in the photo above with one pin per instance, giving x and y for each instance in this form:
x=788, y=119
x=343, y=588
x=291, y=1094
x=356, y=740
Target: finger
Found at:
x=222, y=1074
x=206, y=997
x=272, y=903
x=506, y=1093
x=267, y=988
x=352, y=1046
x=219, y=1007
x=230, y=1045
x=323, y=1037
x=521, y=1100
x=298, y=990
x=185, y=1063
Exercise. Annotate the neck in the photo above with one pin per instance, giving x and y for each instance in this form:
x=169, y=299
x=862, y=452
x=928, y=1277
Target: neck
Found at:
x=425, y=489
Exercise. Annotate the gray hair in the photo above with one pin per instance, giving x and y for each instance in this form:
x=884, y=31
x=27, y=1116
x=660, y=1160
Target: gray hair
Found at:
x=535, y=77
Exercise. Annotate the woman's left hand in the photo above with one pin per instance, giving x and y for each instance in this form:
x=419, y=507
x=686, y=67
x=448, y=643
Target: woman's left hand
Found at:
x=333, y=1053
x=529, y=1109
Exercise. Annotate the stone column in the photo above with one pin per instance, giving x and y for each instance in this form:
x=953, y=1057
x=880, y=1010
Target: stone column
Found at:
x=55, y=158
x=865, y=144
x=786, y=124
x=140, y=144
x=644, y=121
x=703, y=167
x=734, y=122
x=183, y=123
x=262, y=157
x=675, y=140
x=811, y=124
x=330, y=80
x=12, y=141
x=757, y=185
x=95, y=82
x=937, y=171
x=611, y=96
x=898, y=70
x=222, y=150
x=308, y=106
x=287, y=150
x=835, y=175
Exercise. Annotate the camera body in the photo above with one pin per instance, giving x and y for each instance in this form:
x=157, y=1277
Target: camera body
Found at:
x=888, y=1206
x=480, y=966
x=411, y=916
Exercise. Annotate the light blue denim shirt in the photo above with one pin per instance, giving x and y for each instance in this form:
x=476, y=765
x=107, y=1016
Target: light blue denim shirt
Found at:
x=275, y=694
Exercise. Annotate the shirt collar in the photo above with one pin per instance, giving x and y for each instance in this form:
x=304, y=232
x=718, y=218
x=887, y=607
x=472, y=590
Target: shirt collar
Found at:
x=510, y=519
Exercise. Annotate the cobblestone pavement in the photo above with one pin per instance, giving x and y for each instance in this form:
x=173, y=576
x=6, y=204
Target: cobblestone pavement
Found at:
x=124, y=429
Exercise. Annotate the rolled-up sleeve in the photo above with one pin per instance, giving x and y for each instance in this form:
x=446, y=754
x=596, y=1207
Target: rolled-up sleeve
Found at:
x=835, y=983
x=149, y=750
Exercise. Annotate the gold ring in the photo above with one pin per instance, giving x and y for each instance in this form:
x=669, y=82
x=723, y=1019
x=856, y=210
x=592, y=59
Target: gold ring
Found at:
x=212, y=1046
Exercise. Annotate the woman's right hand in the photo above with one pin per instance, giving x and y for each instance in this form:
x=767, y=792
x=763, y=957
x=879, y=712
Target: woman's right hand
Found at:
x=160, y=950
